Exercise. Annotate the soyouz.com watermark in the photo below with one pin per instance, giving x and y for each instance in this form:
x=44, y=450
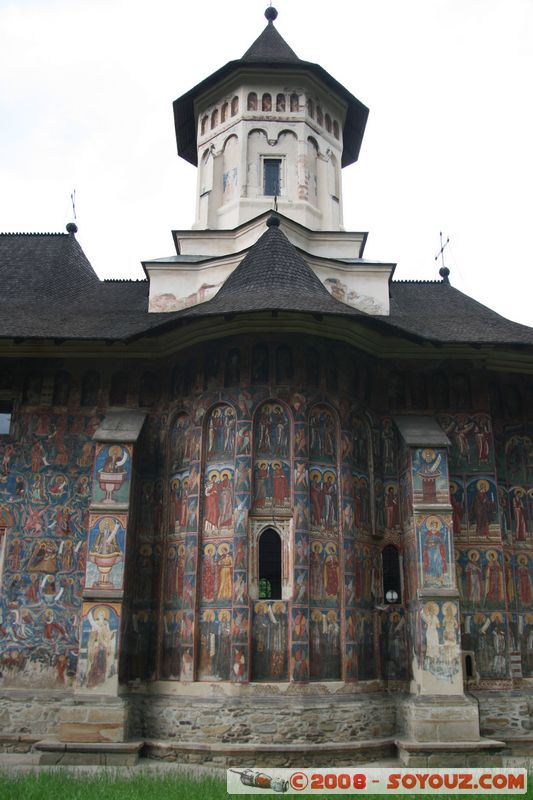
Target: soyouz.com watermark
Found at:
x=352, y=781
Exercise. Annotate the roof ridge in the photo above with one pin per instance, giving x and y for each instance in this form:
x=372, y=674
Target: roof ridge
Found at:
x=33, y=233
x=414, y=280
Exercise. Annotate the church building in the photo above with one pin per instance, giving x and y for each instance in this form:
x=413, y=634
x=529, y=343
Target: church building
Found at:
x=268, y=506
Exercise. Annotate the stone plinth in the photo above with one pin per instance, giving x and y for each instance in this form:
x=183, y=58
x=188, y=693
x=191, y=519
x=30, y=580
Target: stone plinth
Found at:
x=54, y=753
x=440, y=718
x=91, y=721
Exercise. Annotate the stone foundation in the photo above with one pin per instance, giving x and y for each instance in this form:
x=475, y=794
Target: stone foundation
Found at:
x=266, y=717
x=30, y=714
x=505, y=715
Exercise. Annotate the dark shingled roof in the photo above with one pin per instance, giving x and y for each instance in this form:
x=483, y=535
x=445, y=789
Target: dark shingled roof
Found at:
x=49, y=290
x=272, y=276
x=270, y=46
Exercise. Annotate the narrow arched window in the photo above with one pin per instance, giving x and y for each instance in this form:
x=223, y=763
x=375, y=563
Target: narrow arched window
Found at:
x=312, y=367
x=310, y=108
x=118, y=391
x=90, y=389
x=462, y=393
x=284, y=367
x=336, y=132
x=61, y=394
x=332, y=375
x=267, y=102
x=148, y=390
x=280, y=102
x=214, y=119
x=328, y=123
x=176, y=382
x=232, y=371
x=295, y=102
x=203, y=125
x=392, y=584
x=419, y=395
x=440, y=390
x=269, y=565
x=234, y=106
x=260, y=364
x=224, y=112
x=319, y=116
x=252, y=101
x=33, y=385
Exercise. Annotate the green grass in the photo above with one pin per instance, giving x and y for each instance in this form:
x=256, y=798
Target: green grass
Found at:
x=59, y=785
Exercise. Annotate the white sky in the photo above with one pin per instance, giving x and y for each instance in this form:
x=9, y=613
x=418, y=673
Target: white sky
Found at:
x=86, y=91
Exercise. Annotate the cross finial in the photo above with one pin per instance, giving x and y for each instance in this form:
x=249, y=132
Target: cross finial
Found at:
x=441, y=251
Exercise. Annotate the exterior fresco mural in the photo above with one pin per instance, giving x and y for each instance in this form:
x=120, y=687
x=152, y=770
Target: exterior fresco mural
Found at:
x=107, y=538
x=215, y=644
x=112, y=474
x=481, y=578
x=45, y=487
x=441, y=638
x=430, y=475
x=272, y=453
x=97, y=667
x=324, y=644
x=270, y=641
x=434, y=552
x=486, y=634
x=471, y=438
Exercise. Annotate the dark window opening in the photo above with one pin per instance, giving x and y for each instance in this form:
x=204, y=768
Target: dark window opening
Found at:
x=118, y=392
x=90, y=389
x=271, y=176
x=270, y=565
x=6, y=411
x=469, y=668
x=392, y=586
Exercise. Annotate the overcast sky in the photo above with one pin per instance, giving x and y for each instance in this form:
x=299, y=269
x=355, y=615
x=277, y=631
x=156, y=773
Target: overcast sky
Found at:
x=86, y=91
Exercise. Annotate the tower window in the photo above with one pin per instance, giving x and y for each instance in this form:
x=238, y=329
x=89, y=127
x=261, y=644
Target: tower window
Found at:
x=392, y=585
x=6, y=410
x=271, y=176
x=270, y=565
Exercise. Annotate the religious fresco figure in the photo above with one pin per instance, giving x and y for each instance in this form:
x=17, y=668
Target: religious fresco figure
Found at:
x=519, y=514
x=270, y=641
x=524, y=582
x=101, y=647
x=482, y=507
x=435, y=556
x=473, y=578
x=493, y=578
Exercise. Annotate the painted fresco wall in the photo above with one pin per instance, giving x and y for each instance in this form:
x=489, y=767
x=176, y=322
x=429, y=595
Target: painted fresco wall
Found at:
x=45, y=490
x=246, y=434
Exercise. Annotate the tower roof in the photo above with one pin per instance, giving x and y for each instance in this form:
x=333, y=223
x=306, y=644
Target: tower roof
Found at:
x=270, y=46
x=269, y=52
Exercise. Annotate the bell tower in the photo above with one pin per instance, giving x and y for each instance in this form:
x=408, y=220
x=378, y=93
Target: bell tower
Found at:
x=269, y=131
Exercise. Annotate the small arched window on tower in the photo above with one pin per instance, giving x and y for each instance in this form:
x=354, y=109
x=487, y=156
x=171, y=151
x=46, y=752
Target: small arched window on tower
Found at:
x=214, y=119
x=392, y=583
x=234, y=106
x=90, y=389
x=224, y=112
x=295, y=102
x=336, y=132
x=252, y=101
x=203, y=125
x=267, y=102
x=280, y=102
x=328, y=123
x=319, y=115
x=310, y=108
x=270, y=565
